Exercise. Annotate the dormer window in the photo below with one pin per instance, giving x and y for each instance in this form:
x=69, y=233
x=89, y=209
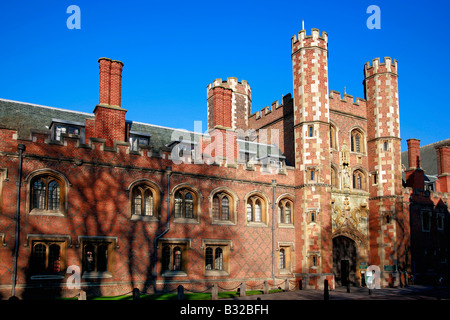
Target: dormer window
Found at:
x=245, y=157
x=60, y=127
x=138, y=140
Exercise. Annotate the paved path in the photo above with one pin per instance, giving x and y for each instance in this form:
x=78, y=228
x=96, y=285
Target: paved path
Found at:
x=415, y=292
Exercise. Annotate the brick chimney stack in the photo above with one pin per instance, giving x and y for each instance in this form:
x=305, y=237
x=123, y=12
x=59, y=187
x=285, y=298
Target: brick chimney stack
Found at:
x=443, y=159
x=110, y=82
x=413, y=153
x=109, y=123
x=415, y=177
x=115, y=95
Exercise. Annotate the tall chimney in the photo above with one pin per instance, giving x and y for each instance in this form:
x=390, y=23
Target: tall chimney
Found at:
x=443, y=159
x=109, y=123
x=105, y=80
x=415, y=177
x=413, y=153
x=115, y=95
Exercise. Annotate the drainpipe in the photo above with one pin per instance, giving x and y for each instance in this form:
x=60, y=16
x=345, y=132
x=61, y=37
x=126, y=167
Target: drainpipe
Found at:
x=155, y=256
x=274, y=184
x=21, y=148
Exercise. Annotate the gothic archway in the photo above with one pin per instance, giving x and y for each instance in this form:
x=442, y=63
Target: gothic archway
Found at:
x=344, y=260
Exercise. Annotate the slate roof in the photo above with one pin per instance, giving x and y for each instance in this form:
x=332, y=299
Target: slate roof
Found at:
x=428, y=160
x=428, y=157
x=27, y=116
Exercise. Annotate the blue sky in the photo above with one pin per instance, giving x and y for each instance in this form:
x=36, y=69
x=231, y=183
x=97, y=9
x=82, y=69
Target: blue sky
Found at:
x=173, y=50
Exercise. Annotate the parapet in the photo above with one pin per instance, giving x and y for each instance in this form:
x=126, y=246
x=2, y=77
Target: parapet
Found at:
x=269, y=114
x=231, y=83
x=347, y=104
x=388, y=66
x=313, y=40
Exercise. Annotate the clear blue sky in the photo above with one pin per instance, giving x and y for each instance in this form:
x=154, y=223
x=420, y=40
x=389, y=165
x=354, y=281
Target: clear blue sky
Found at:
x=173, y=49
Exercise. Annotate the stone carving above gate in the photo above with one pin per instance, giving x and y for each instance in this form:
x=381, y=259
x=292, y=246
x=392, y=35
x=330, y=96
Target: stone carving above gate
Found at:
x=349, y=216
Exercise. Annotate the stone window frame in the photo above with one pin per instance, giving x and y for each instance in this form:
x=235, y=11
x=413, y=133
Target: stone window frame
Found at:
x=334, y=172
x=63, y=241
x=157, y=196
x=197, y=198
x=313, y=259
x=362, y=140
x=284, y=199
x=333, y=136
x=64, y=186
x=310, y=213
x=111, y=244
x=363, y=173
x=288, y=248
x=252, y=197
x=312, y=171
x=172, y=243
x=232, y=205
x=226, y=246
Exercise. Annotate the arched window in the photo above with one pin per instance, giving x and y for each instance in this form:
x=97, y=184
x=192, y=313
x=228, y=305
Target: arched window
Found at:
x=333, y=143
x=359, y=180
x=185, y=204
x=222, y=207
x=334, y=179
x=144, y=200
x=256, y=209
x=357, y=141
x=47, y=194
x=285, y=207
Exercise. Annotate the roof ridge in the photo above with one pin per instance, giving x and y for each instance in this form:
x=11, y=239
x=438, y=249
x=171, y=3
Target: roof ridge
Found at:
x=437, y=142
x=47, y=107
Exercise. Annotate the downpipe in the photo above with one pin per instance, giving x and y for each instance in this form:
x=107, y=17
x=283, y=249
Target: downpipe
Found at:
x=21, y=149
x=155, y=252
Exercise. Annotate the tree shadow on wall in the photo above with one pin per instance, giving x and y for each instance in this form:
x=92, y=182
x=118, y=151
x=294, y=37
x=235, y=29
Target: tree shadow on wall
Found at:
x=98, y=212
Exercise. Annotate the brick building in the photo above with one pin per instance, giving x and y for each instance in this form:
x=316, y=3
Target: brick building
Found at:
x=426, y=181
x=307, y=189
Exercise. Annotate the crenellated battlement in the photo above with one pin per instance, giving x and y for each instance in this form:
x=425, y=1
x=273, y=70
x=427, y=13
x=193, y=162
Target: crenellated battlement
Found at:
x=302, y=40
x=231, y=83
x=269, y=114
x=347, y=104
x=347, y=98
x=73, y=152
x=388, y=66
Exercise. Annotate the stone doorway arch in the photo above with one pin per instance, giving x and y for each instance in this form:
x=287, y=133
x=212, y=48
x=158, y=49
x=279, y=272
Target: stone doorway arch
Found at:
x=351, y=247
x=344, y=260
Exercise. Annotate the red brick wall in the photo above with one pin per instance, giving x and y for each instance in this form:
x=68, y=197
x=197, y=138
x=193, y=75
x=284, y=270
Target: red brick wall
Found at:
x=98, y=204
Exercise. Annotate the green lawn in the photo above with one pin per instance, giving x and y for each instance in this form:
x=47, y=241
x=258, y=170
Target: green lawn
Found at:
x=174, y=296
